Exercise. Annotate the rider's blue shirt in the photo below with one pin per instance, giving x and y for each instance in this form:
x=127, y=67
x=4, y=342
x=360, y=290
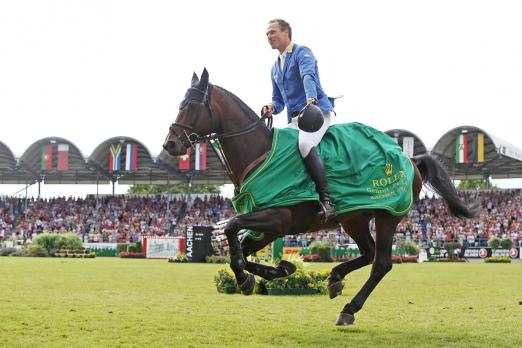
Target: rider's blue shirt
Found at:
x=298, y=82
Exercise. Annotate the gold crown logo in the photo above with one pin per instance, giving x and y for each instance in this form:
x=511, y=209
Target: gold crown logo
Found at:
x=388, y=169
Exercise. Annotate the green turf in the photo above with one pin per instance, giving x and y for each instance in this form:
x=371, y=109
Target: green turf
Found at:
x=110, y=302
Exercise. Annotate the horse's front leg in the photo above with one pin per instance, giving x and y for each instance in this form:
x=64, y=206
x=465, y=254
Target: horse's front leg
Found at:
x=273, y=220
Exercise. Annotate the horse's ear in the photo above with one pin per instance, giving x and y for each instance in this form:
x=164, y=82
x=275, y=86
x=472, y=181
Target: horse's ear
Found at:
x=203, y=83
x=195, y=80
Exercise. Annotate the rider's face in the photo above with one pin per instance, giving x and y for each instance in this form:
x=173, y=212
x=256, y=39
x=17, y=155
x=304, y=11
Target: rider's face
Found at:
x=277, y=38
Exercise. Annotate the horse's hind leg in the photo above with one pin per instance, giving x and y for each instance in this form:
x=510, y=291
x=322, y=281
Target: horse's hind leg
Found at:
x=385, y=225
x=357, y=228
x=250, y=246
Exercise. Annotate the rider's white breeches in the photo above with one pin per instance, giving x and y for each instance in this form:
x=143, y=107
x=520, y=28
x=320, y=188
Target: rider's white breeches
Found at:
x=308, y=140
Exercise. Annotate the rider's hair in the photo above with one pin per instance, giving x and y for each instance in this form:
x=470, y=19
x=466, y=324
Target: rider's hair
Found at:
x=283, y=25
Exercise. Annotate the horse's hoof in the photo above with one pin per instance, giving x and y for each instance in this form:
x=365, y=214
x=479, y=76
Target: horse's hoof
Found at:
x=335, y=288
x=247, y=287
x=345, y=319
x=286, y=267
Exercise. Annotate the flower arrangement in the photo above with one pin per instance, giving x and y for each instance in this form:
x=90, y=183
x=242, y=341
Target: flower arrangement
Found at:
x=300, y=279
x=180, y=257
x=312, y=258
x=225, y=281
x=498, y=259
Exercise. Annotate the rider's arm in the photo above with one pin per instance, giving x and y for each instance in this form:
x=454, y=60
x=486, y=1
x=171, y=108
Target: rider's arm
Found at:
x=307, y=69
x=277, y=99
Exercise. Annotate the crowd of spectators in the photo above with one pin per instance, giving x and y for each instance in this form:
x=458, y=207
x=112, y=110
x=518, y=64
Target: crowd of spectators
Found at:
x=125, y=218
x=109, y=218
x=430, y=224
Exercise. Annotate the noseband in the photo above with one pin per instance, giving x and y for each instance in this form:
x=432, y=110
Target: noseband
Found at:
x=191, y=137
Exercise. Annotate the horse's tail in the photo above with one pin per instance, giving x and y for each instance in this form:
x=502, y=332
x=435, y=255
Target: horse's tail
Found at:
x=436, y=177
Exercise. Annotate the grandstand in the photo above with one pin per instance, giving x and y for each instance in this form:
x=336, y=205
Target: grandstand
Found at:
x=127, y=218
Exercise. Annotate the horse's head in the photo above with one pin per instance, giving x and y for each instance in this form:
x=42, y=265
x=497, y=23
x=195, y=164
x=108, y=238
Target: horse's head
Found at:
x=194, y=118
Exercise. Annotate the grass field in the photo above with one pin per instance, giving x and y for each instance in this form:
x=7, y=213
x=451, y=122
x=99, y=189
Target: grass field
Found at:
x=110, y=302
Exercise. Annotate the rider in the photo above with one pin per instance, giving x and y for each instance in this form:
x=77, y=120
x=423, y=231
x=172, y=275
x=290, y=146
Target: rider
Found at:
x=295, y=84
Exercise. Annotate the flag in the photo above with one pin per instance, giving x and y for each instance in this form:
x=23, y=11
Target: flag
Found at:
x=114, y=157
x=461, y=149
x=131, y=157
x=476, y=148
x=184, y=161
x=408, y=146
x=201, y=157
x=63, y=157
x=47, y=157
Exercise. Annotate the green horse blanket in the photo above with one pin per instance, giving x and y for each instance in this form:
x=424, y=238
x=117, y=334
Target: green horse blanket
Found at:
x=366, y=169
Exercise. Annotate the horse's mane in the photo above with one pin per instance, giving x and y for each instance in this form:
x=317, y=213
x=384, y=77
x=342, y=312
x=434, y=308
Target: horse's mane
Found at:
x=251, y=114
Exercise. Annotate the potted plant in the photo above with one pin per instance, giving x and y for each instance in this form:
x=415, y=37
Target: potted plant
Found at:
x=225, y=281
x=301, y=282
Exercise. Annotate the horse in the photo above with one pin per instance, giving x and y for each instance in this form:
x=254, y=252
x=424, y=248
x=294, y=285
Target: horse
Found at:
x=211, y=112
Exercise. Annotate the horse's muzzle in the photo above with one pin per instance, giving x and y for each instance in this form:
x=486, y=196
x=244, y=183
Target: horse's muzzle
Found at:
x=174, y=148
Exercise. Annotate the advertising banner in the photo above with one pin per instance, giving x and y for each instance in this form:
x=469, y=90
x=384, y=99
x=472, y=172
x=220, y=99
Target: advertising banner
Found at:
x=162, y=247
x=198, y=243
x=476, y=253
x=102, y=249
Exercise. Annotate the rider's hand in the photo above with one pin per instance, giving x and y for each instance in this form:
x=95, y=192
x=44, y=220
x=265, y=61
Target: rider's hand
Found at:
x=311, y=101
x=267, y=110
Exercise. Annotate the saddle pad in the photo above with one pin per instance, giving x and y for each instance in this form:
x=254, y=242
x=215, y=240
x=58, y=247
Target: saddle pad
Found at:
x=366, y=169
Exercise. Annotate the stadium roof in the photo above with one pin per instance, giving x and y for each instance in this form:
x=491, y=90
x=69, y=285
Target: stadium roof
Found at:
x=501, y=159
x=80, y=169
x=399, y=134
x=8, y=172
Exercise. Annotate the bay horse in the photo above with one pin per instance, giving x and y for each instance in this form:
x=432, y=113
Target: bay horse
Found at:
x=211, y=112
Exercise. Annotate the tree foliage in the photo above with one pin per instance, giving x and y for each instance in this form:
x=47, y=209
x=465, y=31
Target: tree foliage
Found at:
x=183, y=189
x=476, y=184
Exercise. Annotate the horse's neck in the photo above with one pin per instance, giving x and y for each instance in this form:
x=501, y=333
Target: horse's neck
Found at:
x=242, y=150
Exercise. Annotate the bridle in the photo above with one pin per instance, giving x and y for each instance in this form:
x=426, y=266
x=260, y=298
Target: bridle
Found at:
x=191, y=138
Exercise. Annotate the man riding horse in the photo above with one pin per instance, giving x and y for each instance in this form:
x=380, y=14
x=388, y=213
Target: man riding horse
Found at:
x=296, y=85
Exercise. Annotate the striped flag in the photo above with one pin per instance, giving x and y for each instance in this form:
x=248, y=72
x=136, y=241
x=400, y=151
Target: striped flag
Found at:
x=461, y=149
x=47, y=157
x=201, y=157
x=476, y=148
x=131, y=157
x=184, y=161
x=114, y=157
x=63, y=157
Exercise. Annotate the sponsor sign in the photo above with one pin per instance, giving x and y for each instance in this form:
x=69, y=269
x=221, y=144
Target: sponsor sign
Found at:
x=162, y=247
x=94, y=246
x=198, y=243
x=477, y=253
x=102, y=249
x=291, y=251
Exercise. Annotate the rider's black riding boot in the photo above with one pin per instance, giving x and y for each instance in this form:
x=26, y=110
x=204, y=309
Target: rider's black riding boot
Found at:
x=315, y=168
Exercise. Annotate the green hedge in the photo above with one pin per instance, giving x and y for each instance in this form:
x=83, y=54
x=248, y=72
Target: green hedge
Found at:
x=52, y=242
